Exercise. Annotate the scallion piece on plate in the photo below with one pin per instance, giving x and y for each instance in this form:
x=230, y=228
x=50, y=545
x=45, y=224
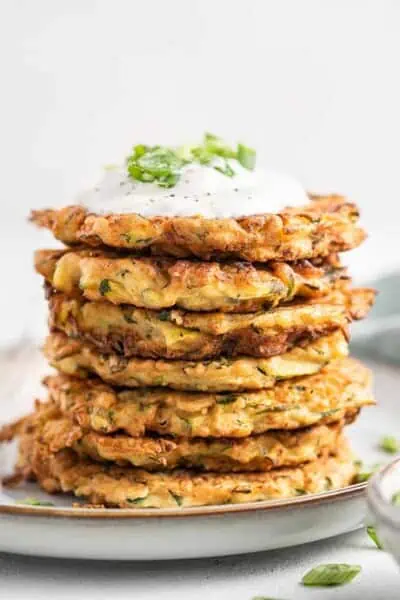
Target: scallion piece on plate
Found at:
x=35, y=502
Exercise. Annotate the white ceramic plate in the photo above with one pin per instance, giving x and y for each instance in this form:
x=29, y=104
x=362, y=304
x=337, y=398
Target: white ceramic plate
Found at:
x=138, y=534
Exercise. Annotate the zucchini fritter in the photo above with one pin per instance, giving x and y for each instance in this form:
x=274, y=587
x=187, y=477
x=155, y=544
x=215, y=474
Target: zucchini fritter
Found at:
x=262, y=452
x=341, y=388
x=177, y=334
x=129, y=487
x=326, y=225
x=158, y=283
x=219, y=375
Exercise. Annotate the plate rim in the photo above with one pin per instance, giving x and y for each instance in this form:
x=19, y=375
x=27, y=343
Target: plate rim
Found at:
x=350, y=491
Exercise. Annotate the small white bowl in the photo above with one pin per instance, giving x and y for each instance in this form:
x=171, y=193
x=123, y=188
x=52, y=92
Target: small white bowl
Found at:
x=385, y=515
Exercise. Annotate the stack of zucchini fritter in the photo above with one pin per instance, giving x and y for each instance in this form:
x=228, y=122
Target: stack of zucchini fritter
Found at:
x=200, y=361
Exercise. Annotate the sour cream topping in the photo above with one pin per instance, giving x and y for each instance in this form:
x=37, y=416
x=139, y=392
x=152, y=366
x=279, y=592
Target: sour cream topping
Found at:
x=201, y=190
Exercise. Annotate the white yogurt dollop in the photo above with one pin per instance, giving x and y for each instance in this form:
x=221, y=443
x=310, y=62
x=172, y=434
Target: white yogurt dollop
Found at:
x=201, y=190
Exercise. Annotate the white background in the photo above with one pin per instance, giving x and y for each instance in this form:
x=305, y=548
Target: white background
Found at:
x=312, y=84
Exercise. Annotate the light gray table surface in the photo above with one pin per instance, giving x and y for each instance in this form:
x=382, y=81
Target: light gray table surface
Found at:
x=271, y=574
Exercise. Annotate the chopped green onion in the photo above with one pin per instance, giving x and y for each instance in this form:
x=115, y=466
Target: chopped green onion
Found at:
x=136, y=500
x=229, y=399
x=215, y=145
x=35, y=502
x=246, y=156
x=374, y=537
x=390, y=444
x=163, y=165
x=104, y=287
x=155, y=163
x=396, y=499
x=164, y=315
x=225, y=170
x=178, y=499
x=329, y=413
x=331, y=574
x=365, y=474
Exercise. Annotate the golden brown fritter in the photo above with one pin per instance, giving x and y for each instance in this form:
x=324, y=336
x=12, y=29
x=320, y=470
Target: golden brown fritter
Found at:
x=326, y=225
x=262, y=452
x=177, y=334
x=74, y=358
x=340, y=389
x=158, y=283
x=129, y=487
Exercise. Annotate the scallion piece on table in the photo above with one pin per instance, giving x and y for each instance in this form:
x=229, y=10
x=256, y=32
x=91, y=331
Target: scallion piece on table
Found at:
x=331, y=574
